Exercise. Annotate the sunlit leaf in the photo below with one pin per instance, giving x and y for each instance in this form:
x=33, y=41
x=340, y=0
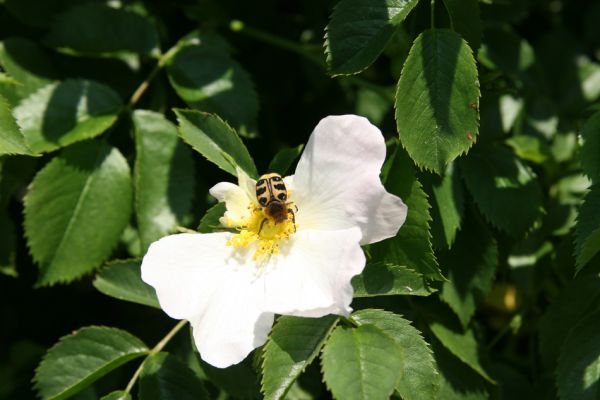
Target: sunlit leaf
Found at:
x=118, y=395
x=122, y=280
x=437, y=100
x=381, y=279
x=81, y=358
x=12, y=140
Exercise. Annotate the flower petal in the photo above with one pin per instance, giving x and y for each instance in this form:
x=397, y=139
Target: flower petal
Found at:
x=198, y=278
x=337, y=182
x=310, y=277
x=236, y=201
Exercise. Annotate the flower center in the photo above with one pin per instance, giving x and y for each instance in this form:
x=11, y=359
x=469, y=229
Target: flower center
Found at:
x=265, y=231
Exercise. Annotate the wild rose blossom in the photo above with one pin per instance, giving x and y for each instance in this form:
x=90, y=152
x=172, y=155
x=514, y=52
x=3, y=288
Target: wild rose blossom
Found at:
x=230, y=285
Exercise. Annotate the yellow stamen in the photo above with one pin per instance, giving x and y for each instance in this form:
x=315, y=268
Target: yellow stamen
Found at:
x=270, y=236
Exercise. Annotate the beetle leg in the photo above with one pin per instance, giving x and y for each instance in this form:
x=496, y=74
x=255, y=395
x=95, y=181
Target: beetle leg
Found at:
x=261, y=225
x=293, y=217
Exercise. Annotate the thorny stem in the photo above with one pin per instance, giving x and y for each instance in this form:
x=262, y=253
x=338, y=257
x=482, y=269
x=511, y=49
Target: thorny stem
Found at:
x=306, y=51
x=159, y=346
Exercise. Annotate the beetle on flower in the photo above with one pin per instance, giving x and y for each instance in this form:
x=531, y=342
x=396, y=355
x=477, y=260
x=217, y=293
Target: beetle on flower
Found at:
x=230, y=285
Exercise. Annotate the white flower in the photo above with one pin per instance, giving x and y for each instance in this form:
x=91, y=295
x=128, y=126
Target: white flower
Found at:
x=229, y=286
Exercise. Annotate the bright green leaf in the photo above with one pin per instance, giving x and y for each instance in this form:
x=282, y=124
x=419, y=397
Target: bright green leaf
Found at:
x=381, y=279
x=26, y=63
x=505, y=190
x=419, y=379
x=530, y=148
x=12, y=140
x=465, y=18
x=293, y=344
x=590, y=150
x=64, y=113
x=437, y=101
x=216, y=140
x=207, y=78
x=100, y=30
x=163, y=177
x=411, y=247
x=81, y=358
x=471, y=265
x=284, y=159
x=8, y=246
x=122, y=280
x=578, y=372
x=75, y=210
x=587, y=230
x=118, y=395
x=359, y=31
x=210, y=222
x=361, y=363
x=165, y=377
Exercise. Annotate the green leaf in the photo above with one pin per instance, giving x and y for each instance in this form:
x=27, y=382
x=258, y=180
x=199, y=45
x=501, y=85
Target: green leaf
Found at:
x=419, y=379
x=591, y=147
x=26, y=63
x=99, y=30
x=506, y=51
x=210, y=222
x=437, y=100
x=506, y=191
x=81, y=358
x=293, y=344
x=578, y=299
x=461, y=342
x=164, y=177
x=530, y=148
x=67, y=112
x=164, y=377
x=122, y=280
x=359, y=31
x=118, y=395
x=465, y=18
x=284, y=159
x=411, y=247
x=382, y=279
x=75, y=210
x=12, y=140
x=587, y=230
x=578, y=372
x=207, y=78
x=8, y=246
x=471, y=264
x=238, y=381
x=447, y=205
x=361, y=363
x=212, y=137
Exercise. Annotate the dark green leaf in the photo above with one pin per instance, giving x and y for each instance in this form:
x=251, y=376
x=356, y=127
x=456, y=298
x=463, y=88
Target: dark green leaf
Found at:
x=97, y=29
x=359, y=31
x=26, y=63
x=578, y=372
x=207, y=78
x=293, y=344
x=590, y=150
x=419, y=379
x=122, y=280
x=361, y=363
x=381, y=279
x=238, y=381
x=12, y=140
x=75, y=210
x=64, y=113
x=83, y=357
x=437, y=101
x=464, y=15
x=506, y=51
x=587, y=230
x=216, y=140
x=578, y=299
x=471, y=264
x=164, y=377
x=284, y=159
x=411, y=247
x=210, y=221
x=505, y=190
x=163, y=178
x=118, y=395
x=8, y=246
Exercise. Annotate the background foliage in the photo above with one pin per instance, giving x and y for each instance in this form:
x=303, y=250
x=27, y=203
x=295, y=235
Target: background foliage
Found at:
x=116, y=117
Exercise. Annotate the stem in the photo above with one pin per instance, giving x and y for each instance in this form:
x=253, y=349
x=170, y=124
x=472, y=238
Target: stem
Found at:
x=432, y=16
x=159, y=346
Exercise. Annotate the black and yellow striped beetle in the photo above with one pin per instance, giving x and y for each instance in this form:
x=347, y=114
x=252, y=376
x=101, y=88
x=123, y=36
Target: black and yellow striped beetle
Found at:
x=272, y=195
